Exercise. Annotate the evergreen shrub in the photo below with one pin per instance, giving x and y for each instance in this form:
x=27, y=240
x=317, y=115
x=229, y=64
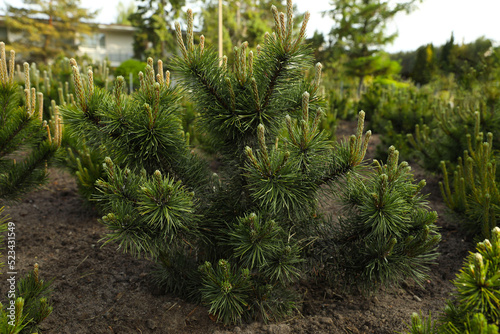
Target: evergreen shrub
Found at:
x=395, y=111
x=475, y=307
x=473, y=192
x=27, y=145
x=233, y=239
x=27, y=142
x=444, y=138
x=384, y=233
x=31, y=306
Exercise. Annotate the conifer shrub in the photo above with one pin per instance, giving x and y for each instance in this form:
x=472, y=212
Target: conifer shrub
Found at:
x=235, y=239
x=85, y=164
x=27, y=143
x=444, y=138
x=232, y=240
x=384, y=234
x=475, y=307
x=31, y=306
x=421, y=325
x=473, y=192
x=26, y=138
x=395, y=111
x=342, y=100
x=426, y=127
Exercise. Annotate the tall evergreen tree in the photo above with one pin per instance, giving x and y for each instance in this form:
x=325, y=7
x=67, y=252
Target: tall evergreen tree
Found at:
x=48, y=27
x=445, y=58
x=153, y=19
x=425, y=65
x=360, y=32
x=124, y=12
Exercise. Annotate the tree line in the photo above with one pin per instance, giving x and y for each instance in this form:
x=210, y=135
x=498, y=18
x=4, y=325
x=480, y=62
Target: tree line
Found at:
x=354, y=47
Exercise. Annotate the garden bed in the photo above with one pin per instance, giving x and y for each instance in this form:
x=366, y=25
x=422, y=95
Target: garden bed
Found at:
x=98, y=289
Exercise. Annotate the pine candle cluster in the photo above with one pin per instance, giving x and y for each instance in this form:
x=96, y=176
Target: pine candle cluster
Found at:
x=21, y=126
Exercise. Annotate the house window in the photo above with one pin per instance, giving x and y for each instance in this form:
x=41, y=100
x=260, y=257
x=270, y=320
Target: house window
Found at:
x=3, y=34
x=94, y=40
x=102, y=40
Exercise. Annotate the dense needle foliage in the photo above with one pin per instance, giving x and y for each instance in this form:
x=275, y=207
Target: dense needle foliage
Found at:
x=475, y=307
x=386, y=233
x=22, y=129
x=26, y=138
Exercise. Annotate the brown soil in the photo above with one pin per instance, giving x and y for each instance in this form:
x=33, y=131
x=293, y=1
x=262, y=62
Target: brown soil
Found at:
x=98, y=289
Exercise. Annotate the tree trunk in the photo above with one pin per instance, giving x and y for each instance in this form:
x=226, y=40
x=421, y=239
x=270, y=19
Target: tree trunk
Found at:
x=360, y=85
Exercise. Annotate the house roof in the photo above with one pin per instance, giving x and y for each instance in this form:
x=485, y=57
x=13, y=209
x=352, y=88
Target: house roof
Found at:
x=100, y=26
x=115, y=27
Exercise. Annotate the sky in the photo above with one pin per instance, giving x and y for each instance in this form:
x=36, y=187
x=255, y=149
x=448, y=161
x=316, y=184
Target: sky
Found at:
x=432, y=22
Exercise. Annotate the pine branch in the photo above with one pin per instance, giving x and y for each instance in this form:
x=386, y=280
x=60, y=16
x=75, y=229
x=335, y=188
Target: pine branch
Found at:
x=272, y=83
x=8, y=145
x=198, y=63
x=146, y=214
x=201, y=76
x=386, y=233
x=28, y=174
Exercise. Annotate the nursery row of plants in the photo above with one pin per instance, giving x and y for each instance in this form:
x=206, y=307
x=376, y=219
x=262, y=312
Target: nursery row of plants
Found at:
x=238, y=237
x=450, y=132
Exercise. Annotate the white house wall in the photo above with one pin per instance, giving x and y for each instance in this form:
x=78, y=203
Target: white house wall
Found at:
x=118, y=47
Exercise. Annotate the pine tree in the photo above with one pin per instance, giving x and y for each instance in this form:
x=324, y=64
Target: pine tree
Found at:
x=425, y=65
x=360, y=32
x=477, y=287
x=47, y=28
x=124, y=12
x=473, y=192
x=29, y=308
x=25, y=137
x=23, y=129
x=153, y=20
x=242, y=226
x=246, y=20
x=445, y=59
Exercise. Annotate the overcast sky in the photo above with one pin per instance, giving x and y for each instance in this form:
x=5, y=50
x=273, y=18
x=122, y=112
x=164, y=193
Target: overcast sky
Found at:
x=433, y=21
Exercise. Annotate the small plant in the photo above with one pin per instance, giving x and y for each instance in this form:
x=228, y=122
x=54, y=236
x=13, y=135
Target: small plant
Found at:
x=442, y=138
x=386, y=233
x=477, y=324
x=478, y=285
x=475, y=308
x=394, y=111
x=85, y=164
x=421, y=325
x=475, y=195
x=29, y=305
x=226, y=291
